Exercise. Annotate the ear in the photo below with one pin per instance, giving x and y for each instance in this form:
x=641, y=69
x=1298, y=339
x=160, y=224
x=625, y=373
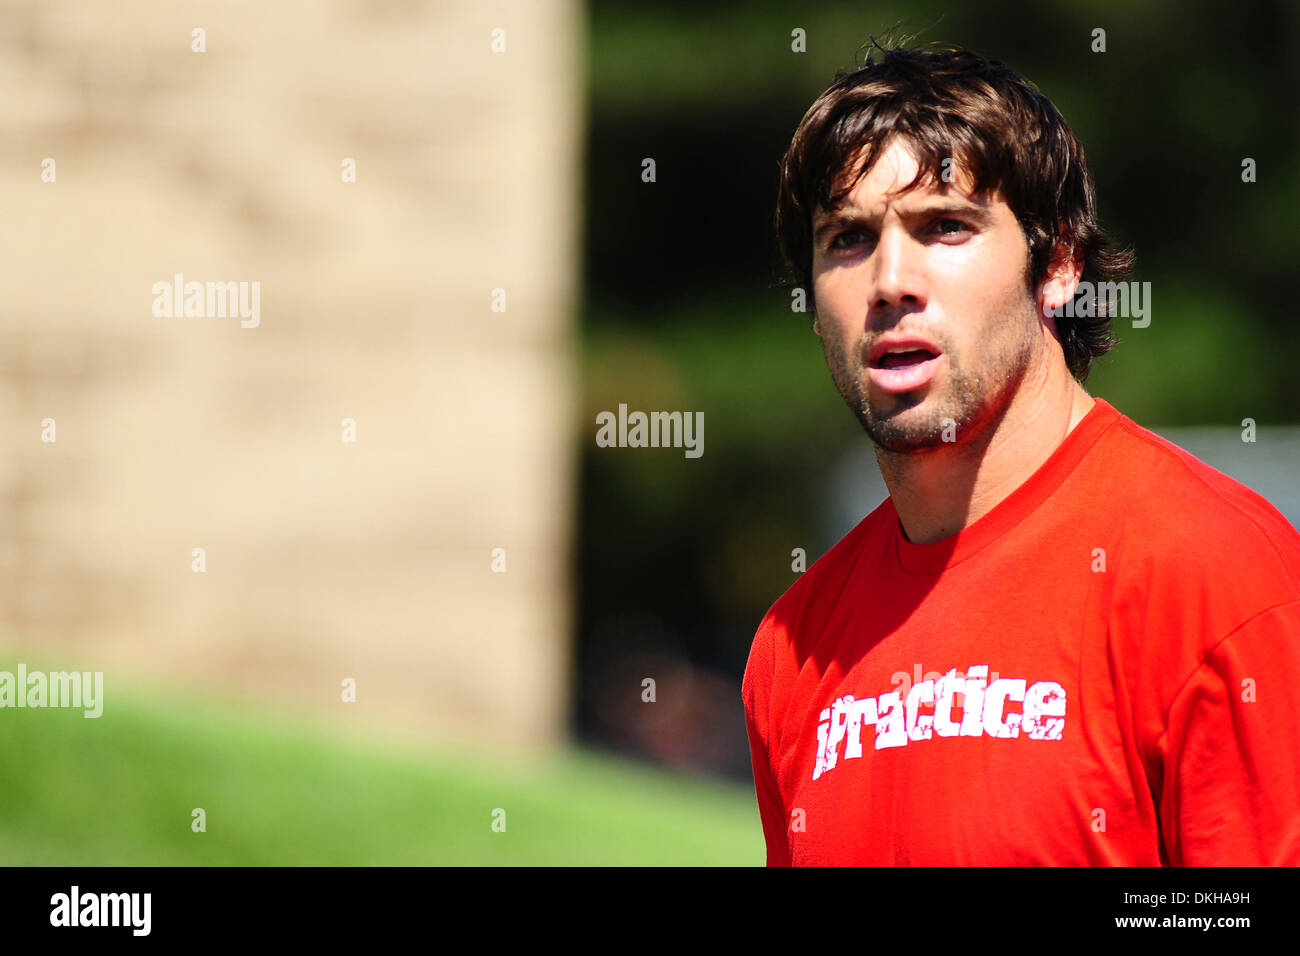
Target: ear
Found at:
x=1063, y=275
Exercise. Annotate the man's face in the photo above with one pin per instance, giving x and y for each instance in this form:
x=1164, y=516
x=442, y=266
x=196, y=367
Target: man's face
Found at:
x=937, y=283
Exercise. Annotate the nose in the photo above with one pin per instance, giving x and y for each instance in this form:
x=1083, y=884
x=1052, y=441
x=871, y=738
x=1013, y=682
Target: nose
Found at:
x=899, y=276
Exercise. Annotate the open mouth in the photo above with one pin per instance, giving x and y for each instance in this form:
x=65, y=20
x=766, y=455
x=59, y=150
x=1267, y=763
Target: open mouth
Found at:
x=904, y=369
x=903, y=358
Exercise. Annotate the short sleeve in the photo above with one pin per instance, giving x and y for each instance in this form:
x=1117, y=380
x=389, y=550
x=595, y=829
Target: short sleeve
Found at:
x=1230, y=794
x=756, y=693
x=770, y=807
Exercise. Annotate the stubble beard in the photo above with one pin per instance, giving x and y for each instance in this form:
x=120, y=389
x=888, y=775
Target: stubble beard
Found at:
x=956, y=410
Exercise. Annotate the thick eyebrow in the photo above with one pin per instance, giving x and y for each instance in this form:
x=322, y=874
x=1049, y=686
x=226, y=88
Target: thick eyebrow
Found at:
x=930, y=209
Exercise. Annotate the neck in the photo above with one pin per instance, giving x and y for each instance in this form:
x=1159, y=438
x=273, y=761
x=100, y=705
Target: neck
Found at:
x=940, y=491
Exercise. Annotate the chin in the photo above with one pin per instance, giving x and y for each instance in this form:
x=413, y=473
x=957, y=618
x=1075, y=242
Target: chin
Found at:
x=902, y=410
x=909, y=422
x=903, y=440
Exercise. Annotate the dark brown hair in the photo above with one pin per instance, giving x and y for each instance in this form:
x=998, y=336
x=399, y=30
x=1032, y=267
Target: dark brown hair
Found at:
x=1000, y=129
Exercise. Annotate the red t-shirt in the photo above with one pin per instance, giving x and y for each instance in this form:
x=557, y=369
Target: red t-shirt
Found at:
x=1104, y=669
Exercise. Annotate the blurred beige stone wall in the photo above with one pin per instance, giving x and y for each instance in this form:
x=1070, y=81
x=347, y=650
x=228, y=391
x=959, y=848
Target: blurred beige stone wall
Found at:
x=325, y=560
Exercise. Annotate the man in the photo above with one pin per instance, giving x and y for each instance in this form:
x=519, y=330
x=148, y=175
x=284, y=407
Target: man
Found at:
x=1061, y=640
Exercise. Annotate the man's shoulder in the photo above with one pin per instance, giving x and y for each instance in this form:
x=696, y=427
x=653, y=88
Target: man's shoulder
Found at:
x=825, y=579
x=834, y=570
x=1181, y=511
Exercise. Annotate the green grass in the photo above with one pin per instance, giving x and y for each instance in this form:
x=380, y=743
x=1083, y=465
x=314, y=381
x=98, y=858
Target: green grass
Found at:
x=119, y=790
